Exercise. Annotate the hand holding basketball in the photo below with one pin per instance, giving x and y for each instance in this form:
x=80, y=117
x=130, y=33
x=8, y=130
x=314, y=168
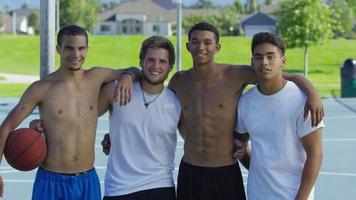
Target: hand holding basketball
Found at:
x=25, y=149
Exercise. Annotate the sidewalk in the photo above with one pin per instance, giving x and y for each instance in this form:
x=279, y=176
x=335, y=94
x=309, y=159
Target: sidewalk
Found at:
x=18, y=78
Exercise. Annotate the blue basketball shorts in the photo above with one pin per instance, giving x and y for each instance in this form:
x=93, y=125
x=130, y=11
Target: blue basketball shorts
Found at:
x=54, y=186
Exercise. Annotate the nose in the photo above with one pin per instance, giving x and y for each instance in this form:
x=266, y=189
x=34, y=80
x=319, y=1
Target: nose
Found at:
x=200, y=45
x=156, y=63
x=265, y=60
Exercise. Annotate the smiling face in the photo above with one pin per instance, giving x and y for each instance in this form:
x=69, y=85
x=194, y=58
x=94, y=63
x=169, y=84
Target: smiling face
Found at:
x=202, y=46
x=155, y=65
x=73, y=51
x=267, y=61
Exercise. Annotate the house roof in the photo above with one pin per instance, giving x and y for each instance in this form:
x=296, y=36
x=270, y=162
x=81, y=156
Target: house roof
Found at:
x=259, y=18
x=152, y=9
x=270, y=10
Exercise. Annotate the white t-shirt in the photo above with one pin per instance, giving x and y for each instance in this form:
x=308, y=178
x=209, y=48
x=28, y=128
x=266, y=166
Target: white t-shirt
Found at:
x=143, y=142
x=276, y=125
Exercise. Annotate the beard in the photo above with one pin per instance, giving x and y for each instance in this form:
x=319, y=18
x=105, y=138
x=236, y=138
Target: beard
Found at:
x=158, y=82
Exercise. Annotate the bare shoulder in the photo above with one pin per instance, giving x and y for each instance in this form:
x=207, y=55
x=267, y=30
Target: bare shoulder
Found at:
x=178, y=78
x=242, y=73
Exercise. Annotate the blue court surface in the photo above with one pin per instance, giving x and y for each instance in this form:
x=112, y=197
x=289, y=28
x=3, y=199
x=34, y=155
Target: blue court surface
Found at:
x=337, y=179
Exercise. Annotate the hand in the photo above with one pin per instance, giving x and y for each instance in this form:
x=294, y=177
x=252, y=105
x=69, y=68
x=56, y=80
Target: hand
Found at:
x=37, y=125
x=1, y=187
x=240, y=149
x=123, y=89
x=315, y=106
x=106, y=144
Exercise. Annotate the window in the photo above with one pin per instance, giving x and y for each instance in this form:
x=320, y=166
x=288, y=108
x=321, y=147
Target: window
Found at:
x=105, y=28
x=156, y=28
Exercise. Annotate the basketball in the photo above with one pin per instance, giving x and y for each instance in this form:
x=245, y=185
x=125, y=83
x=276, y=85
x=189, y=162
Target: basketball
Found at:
x=25, y=149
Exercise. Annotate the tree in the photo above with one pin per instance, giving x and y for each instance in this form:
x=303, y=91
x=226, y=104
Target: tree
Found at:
x=203, y=4
x=223, y=21
x=238, y=6
x=304, y=23
x=352, y=5
x=268, y=2
x=80, y=12
x=252, y=6
x=1, y=18
x=34, y=21
x=24, y=6
x=342, y=17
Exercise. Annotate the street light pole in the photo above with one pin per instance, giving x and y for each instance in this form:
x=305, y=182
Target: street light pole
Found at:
x=47, y=37
x=179, y=33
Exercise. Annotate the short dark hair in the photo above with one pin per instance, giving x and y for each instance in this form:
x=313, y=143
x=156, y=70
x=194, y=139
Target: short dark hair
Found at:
x=157, y=41
x=71, y=30
x=204, y=26
x=265, y=37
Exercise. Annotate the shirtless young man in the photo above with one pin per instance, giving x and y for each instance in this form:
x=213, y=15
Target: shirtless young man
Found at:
x=68, y=105
x=208, y=93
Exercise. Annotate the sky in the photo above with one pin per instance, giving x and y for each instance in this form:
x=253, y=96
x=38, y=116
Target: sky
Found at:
x=36, y=3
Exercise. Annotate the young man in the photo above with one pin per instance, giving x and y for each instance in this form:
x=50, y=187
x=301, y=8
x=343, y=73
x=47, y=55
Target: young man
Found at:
x=143, y=133
x=68, y=105
x=286, y=149
x=208, y=93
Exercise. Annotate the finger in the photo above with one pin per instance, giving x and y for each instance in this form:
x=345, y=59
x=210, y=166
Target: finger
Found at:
x=318, y=117
x=314, y=117
x=122, y=98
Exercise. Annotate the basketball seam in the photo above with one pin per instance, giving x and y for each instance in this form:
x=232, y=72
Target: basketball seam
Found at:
x=28, y=146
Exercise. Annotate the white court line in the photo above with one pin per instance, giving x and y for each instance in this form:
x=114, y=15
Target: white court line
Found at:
x=337, y=174
x=341, y=117
x=339, y=139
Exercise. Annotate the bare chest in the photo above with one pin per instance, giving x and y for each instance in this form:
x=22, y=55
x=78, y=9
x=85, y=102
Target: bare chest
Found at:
x=68, y=103
x=209, y=99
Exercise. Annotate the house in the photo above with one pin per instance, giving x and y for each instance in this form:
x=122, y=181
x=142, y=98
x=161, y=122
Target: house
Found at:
x=17, y=21
x=259, y=22
x=143, y=17
x=264, y=20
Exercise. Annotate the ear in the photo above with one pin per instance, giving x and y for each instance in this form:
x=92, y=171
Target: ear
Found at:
x=187, y=46
x=218, y=47
x=284, y=61
x=252, y=65
x=58, y=49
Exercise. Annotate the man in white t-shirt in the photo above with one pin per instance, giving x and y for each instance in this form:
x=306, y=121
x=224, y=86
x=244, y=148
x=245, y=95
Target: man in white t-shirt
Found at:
x=143, y=133
x=286, y=151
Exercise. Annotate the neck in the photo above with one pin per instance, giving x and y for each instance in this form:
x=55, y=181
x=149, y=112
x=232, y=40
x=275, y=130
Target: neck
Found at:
x=270, y=87
x=203, y=72
x=71, y=75
x=150, y=88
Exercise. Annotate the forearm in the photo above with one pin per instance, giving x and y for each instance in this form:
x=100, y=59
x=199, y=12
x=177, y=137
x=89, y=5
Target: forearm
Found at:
x=302, y=83
x=134, y=72
x=309, y=176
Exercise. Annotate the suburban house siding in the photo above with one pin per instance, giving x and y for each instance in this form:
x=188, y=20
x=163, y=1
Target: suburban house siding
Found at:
x=20, y=17
x=142, y=17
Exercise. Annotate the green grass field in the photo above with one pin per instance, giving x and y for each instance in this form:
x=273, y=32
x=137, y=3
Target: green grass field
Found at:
x=20, y=54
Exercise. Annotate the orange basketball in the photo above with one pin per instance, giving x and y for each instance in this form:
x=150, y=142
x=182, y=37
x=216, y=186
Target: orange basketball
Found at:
x=25, y=149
